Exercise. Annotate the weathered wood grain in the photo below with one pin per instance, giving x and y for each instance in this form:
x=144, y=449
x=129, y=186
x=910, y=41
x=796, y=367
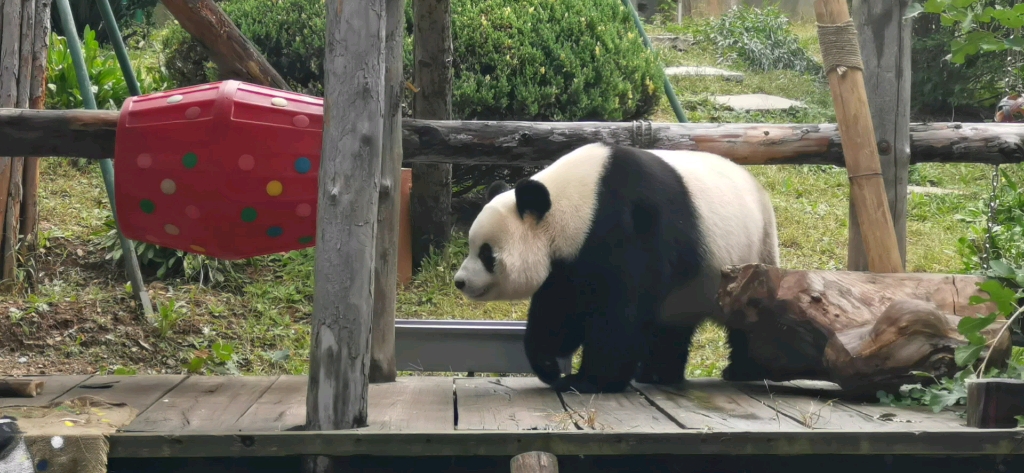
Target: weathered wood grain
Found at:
x=867, y=188
x=10, y=66
x=202, y=403
x=508, y=404
x=90, y=134
x=233, y=53
x=281, y=407
x=37, y=100
x=534, y=462
x=627, y=411
x=994, y=403
x=383, y=367
x=11, y=225
x=138, y=392
x=709, y=404
x=412, y=404
x=510, y=443
x=430, y=200
x=54, y=387
x=885, y=36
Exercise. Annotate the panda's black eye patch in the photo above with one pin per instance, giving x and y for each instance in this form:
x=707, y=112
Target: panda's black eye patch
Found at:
x=486, y=256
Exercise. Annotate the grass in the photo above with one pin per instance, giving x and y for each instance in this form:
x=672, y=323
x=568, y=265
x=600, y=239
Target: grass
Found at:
x=79, y=317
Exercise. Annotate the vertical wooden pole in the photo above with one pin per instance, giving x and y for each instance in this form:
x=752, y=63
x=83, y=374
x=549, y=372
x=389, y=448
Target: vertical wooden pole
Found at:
x=10, y=65
x=431, y=199
x=354, y=108
x=867, y=189
x=12, y=223
x=885, y=39
x=385, y=284
x=37, y=101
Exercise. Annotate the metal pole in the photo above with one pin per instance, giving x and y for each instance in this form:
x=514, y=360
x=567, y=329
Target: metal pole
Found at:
x=122, y=53
x=131, y=262
x=669, y=91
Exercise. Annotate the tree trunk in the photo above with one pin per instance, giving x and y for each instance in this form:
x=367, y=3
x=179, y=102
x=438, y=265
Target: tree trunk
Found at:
x=233, y=53
x=385, y=284
x=430, y=201
x=863, y=331
x=887, y=80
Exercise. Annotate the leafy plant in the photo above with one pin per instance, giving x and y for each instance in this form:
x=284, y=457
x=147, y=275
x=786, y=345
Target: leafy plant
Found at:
x=168, y=316
x=761, y=38
x=220, y=359
x=1007, y=237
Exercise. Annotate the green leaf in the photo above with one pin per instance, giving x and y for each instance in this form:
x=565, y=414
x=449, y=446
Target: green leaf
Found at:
x=913, y=10
x=966, y=355
x=1002, y=269
x=972, y=325
x=281, y=356
x=935, y=6
x=196, y=364
x=921, y=374
x=223, y=351
x=976, y=339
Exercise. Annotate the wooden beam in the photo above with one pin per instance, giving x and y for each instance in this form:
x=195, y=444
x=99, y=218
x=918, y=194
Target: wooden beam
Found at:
x=534, y=462
x=430, y=201
x=383, y=368
x=91, y=133
x=21, y=387
x=233, y=53
x=994, y=403
x=885, y=37
x=354, y=107
x=867, y=189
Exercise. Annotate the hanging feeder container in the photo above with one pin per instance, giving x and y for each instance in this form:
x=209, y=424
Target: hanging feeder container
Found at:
x=227, y=169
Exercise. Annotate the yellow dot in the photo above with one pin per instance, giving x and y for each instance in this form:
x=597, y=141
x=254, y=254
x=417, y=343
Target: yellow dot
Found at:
x=274, y=188
x=171, y=229
x=198, y=249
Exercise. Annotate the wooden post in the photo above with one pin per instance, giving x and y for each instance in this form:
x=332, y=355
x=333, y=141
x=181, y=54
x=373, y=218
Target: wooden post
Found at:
x=534, y=462
x=887, y=80
x=11, y=65
x=867, y=189
x=385, y=283
x=234, y=54
x=354, y=107
x=994, y=403
x=37, y=101
x=431, y=199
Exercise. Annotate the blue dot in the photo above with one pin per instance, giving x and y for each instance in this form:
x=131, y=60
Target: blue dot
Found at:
x=43, y=465
x=274, y=232
x=303, y=165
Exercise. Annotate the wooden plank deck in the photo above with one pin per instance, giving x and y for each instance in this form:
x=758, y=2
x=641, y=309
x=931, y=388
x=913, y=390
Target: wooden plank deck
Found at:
x=194, y=416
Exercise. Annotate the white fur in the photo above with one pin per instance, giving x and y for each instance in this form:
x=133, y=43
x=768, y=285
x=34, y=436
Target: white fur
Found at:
x=734, y=214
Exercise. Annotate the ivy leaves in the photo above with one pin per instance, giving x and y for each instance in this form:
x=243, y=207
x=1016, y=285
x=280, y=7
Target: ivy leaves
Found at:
x=971, y=16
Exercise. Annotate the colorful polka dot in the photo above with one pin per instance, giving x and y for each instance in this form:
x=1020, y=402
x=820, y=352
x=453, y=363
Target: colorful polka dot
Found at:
x=303, y=165
x=144, y=161
x=278, y=102
x=192, y=113
x=168, y=186
x=197, y=248
x=303, y=210
x=248, y=214
x=300, y=121
x=171, y=229
x=246, y=162
x=175, y=98
x=306, y=240
x=190, y=160
x=147, y=206
x=192, y=212
x=274, y=232
x=274, y=188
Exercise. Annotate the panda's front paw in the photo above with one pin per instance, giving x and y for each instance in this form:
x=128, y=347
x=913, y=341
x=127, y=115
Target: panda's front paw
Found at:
x=583, y=385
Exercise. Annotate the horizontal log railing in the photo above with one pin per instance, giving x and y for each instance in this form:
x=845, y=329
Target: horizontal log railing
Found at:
x=91, y=134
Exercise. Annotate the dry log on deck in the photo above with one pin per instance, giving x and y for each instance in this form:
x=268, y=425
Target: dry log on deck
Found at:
x=90, y=134
x=20, y=387
x=994, y=403
x=863, y=331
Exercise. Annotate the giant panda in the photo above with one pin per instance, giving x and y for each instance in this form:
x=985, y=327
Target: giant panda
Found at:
x=619, y=250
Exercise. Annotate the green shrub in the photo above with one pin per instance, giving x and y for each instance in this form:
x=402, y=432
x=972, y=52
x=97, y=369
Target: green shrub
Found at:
x=759, y=38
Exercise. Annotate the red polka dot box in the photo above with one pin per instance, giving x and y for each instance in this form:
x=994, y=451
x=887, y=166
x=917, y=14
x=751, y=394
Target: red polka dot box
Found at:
x=227, y=169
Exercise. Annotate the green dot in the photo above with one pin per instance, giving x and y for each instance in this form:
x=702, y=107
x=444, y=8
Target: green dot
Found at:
x=190, y=160
x=147, y=206
x=306, y=240
x=248, y=214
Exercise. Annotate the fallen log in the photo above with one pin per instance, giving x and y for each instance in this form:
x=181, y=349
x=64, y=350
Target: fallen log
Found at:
x=233, y=53
x=863, y=331
x=91, y=134
x=20, y=387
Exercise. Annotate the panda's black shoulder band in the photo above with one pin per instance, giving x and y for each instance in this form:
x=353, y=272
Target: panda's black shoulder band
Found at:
x=532, y=197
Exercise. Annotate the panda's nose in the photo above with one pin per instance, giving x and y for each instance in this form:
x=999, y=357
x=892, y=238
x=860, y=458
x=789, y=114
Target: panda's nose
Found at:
x=459, y=284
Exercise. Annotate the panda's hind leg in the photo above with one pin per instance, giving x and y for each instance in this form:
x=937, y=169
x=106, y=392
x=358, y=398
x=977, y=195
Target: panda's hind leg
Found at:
x=741, y=366
x=669, y=350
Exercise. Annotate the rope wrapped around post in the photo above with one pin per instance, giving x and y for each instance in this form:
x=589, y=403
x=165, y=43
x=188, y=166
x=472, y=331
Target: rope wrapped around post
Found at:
x=839, y=47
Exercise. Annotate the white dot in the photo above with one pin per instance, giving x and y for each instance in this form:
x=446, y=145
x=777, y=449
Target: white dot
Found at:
x=57, y=442
x=175, y=99
x=278, y=102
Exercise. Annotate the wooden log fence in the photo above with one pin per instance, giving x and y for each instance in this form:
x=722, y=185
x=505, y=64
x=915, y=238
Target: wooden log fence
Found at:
x=91, y=134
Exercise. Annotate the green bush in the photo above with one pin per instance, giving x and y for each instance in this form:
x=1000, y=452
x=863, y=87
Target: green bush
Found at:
x=759, y=38
x=523, y=60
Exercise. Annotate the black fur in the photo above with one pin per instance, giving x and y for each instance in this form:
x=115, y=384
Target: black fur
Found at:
x=643, y=241
x=496, y=187
x=532, y=197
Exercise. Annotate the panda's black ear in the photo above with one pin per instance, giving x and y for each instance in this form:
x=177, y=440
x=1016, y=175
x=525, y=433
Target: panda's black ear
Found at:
x=532, y=197
x=496, y=187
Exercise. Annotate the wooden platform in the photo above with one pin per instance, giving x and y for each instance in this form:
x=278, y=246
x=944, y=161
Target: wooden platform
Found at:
x=197, y=416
